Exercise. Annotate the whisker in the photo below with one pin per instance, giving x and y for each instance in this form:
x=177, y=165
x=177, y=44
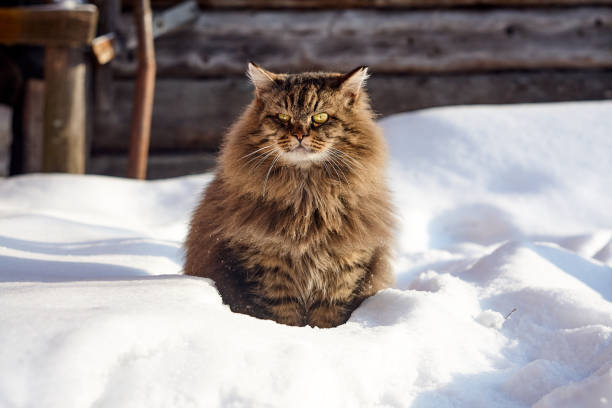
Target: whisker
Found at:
x=257, y=156
x=252, y=153
x=263, y=159
x=268, y=174
x=252, y=159
x=348, y=156
x=335, y=171
x=326, y=171
x=339, y=158
x=339, y=169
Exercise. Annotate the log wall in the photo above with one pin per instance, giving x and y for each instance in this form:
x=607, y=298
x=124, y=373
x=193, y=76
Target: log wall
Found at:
x=385, y=4
x=192, y=114
x=389, y=41
x=418, y=58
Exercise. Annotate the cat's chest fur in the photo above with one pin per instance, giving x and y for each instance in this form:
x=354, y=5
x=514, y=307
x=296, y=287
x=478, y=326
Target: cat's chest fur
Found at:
x=312, y=216
x=308, y=247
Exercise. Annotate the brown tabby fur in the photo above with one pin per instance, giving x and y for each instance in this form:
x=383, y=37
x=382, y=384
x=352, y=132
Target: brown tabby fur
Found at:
x=298, y=237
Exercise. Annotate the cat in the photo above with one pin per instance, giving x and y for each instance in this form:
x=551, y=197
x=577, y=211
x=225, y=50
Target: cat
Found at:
x=297, y=224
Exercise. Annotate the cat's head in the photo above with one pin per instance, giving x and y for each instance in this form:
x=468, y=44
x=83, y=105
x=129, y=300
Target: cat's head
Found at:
x=310, y=117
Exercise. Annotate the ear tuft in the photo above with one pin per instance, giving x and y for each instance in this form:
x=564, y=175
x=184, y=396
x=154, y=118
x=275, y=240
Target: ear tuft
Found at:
x=261, y=78
x=355, y=80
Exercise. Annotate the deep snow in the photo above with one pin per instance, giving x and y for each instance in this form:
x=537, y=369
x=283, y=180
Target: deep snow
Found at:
x=503, y=211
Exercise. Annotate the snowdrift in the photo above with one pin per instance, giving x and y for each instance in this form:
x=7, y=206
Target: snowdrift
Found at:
x=503, y=294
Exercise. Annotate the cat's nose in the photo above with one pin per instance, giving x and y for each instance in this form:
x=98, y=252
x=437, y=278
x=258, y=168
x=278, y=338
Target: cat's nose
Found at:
x=299, y=135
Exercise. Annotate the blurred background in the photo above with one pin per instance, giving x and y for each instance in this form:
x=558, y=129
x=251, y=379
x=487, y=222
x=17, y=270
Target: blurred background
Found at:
x=421, y=53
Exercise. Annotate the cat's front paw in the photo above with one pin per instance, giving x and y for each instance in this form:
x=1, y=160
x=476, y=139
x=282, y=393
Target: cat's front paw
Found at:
x=328, y=315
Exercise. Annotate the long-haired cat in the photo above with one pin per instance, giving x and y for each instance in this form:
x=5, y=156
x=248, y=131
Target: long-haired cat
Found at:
x=297, y=224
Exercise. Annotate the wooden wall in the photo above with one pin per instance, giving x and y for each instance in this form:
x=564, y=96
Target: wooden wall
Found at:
x=418, y=57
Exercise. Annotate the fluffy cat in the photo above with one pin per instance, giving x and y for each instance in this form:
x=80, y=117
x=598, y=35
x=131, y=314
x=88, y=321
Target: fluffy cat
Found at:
x=297, y=224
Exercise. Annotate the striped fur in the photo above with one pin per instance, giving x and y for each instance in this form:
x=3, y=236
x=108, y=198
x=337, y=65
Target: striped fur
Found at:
x=298, y=237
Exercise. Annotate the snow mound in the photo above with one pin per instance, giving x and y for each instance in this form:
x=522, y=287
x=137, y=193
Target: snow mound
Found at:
x=503, y=294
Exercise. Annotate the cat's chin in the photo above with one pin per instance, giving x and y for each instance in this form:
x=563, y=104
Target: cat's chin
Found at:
x=303, y=157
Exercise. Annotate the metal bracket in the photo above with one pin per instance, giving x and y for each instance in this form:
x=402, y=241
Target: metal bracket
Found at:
x=104, y=48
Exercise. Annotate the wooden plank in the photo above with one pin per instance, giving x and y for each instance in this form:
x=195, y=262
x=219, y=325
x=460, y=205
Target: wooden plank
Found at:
x=395, y=94
x=194, y=114
x=158, y=166
x=65, y=110
x=219, y=43
x=186, y=114
x=55, y=24
x=343, y=4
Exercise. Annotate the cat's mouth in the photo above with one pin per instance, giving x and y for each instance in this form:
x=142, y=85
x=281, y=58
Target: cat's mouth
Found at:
x=302, y=156
x=300, y=149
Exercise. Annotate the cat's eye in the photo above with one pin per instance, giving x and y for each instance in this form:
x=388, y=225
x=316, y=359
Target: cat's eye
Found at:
x=282, y=117
x=320, y=118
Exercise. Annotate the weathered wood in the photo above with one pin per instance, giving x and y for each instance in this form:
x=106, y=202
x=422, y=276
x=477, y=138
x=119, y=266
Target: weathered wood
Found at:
x=158, y=165
x=396, y=94
x=5, y=139
x=342, y=4
x=392, y=42
x=33, y=108
x=143, y=97
x=55, y=24
x=194, y=114
x=186, y=114
x=65, y=109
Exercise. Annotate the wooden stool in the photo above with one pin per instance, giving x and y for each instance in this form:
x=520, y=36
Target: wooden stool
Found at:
x=63, y=30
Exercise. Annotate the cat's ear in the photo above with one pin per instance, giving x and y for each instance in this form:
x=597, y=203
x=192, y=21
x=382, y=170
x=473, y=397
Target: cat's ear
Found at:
x=354, y=81
x=261, y=78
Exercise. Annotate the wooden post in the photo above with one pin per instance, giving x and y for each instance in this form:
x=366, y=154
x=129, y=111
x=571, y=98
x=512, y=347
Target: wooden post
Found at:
x=64, y=116
x=143, y=97
x=32, y=125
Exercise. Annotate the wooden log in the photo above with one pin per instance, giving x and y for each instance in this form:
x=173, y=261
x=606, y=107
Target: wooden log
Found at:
x=186, y=114
x=65, y=110
x=396, y=94
x=343, y=4
x=391, y=42
x=194, y=114
x=158, y=166
x=54, y=24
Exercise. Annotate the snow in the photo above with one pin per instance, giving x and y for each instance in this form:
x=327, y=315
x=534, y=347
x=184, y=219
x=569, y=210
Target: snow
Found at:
x=503, y=295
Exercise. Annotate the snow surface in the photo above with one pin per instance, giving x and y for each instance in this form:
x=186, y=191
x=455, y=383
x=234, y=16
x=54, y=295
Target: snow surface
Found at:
x=503, y=294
